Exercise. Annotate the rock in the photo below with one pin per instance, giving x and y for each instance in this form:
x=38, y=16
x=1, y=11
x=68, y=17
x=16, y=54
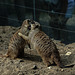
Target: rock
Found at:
x=17, y=68
x=36, y=74
x=21, y=60
x=34, y=67
x=49, y=67
x=62, y=70
x=68, y=53
x=0, y=36
x=21, y=73
x=13, y=73
x=2, y=41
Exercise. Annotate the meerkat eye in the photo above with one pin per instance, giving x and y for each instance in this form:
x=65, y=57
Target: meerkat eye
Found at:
x=37, y=26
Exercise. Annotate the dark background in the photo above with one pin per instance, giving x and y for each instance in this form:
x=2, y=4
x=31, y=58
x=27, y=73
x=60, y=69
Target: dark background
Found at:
x=13, y=12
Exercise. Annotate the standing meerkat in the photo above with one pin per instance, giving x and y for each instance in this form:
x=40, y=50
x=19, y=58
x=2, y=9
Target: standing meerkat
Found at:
x=44, y=46
x=17, y=43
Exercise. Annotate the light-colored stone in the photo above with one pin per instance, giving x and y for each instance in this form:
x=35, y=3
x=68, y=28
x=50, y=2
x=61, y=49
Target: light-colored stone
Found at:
x=62, y=70
x=68, y=53
x=49, y=67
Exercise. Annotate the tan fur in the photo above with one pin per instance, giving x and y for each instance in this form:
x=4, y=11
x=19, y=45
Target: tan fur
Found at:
x=17, y=43
x=44, y=46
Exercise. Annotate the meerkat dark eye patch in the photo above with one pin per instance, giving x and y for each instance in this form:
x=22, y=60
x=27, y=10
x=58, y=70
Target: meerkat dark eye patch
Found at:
x=37, y=26
x=29, y=27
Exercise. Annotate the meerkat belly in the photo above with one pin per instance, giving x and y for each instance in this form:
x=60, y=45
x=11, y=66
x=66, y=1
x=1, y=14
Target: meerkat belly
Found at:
x=42, y=43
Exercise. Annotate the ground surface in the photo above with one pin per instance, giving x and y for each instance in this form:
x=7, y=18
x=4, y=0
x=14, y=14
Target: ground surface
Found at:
x=32, y=63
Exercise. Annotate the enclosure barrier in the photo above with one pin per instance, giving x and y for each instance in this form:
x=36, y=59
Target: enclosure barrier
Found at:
x=11, y=6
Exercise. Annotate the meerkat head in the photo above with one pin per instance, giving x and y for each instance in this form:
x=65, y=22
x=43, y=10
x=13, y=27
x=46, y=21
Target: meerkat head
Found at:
x=26, y=24
x=34, y=25
x=30, y=25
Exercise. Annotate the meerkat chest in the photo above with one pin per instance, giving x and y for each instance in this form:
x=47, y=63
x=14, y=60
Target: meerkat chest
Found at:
x=32, y=35
x=38, y=38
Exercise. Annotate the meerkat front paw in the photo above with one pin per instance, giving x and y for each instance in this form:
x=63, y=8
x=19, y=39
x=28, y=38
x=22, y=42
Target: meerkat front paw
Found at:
x=20, y=34
x=23, y=36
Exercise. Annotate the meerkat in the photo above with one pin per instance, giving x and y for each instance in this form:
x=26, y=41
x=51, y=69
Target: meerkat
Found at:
x=45, y=47
x=17, y=43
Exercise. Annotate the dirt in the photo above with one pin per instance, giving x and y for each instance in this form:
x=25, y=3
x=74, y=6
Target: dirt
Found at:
x=32, y=63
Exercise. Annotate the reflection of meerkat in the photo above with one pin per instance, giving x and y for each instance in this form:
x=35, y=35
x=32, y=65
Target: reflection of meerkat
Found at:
x=17, y=43
x=44, y=45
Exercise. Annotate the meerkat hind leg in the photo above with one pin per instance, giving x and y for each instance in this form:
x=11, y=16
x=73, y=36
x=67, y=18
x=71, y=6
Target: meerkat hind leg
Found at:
x=46, y=61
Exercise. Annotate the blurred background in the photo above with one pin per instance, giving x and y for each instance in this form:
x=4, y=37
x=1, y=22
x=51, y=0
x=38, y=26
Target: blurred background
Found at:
x=50, y=15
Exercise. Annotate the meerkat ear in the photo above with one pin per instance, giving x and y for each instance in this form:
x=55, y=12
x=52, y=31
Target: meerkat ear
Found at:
x=27, y=21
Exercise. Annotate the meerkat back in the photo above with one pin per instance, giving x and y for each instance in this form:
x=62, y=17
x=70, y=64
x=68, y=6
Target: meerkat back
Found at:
x=17, y=43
